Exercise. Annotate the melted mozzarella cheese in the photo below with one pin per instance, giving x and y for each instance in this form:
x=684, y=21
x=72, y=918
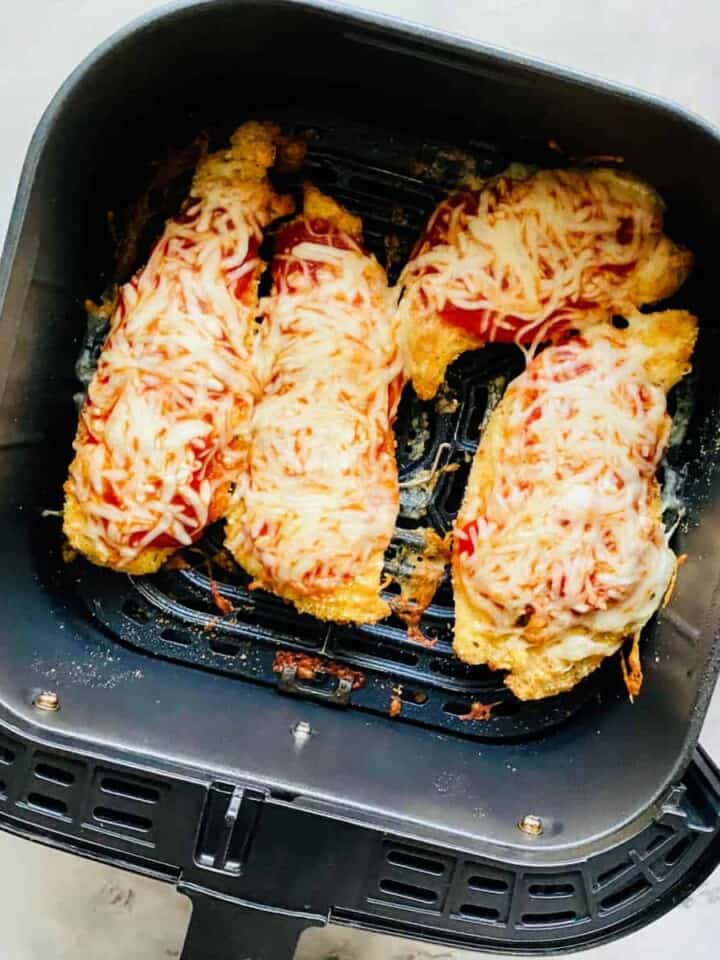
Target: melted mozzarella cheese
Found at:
x=321, y=496
x=565, y=541
x=162, y=433
x=556, y=248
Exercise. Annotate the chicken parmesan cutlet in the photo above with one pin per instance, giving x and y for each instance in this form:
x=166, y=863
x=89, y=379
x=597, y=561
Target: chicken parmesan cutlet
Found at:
x=523, y=260
x=560, y=554
x=317, y=508
x=162, y=434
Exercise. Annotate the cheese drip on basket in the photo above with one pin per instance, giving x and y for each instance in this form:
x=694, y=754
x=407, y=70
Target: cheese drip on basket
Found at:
x=317, y=509
x=560, y=552
x=523, y=260
x=163, y=432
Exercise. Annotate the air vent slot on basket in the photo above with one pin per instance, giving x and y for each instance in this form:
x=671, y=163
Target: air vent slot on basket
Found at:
x=7, y=756
x=548, y=919
x=180, y=637
x=135, y=611
x=374, y=188
x=678, y=850
x=47, y=771
x=552, y=899
x=669, y=856
x=471, y=911
x=410, y=877
x=409, y=892
x=50, y=806
x=551, y=890
x=130, y=790
x=378, y=650
x=487, y=885
x=658, y=840
x=482, y=893
x=474, y=414
x=3, y=790
x=411, y=861
x=457, y=708
x=418, y=697
x=624, y=896
x=607, y=876
x=506, y=708
x=225, y=648
x=122, y=819
x=456, y=670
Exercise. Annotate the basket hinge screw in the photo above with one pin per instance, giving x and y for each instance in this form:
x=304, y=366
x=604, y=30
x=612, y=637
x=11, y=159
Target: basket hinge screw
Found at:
x=47, y=700
x=302, y=731
x=531, y=824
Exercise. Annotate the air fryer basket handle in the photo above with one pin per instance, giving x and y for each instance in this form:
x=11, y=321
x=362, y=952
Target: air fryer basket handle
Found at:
x=226, y=930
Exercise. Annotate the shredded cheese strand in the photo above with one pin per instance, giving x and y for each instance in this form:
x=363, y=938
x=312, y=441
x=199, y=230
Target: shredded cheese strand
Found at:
x=162, y=433
x=567, y=532
x=321, y=496
x=560, y=247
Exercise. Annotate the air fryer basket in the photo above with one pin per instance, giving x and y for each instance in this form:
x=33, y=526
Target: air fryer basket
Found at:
x=172, y=752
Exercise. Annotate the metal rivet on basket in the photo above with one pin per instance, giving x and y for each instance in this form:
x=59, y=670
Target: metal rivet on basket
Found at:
x=531, y=825
x=47, y=700
x=302, y=731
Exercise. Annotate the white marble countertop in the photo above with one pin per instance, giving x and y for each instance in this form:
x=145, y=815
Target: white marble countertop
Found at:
x=52, y=905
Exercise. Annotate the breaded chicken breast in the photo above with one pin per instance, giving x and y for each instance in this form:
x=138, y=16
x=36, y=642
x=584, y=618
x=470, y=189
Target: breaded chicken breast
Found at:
x=525, y=259
x=317, y=510
x=163, y=432
x=560, y=552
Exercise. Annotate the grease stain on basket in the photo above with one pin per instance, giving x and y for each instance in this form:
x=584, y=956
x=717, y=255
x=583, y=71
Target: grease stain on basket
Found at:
x=114, y=898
